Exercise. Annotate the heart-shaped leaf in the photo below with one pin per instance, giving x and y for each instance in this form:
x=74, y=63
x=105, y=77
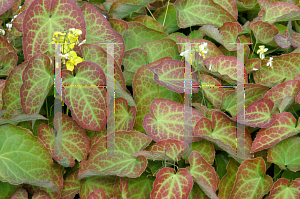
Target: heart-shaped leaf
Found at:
x=71, y=186
x=264, y=31
x=97, y=194
x=43, y=18
x=138, y=33
x=161, y=48
x=121, y=166
x=226, y=34
x=171, y=73
x=283, y=188
x=8, y=64
x=149, y=22
x=223, y=131
x=20, y=193
x=75, y=142
x=284, y=154
x=169, y=185
x=146, y=89
x=99, y=30
x=87, y=105
x=118, y=25
x=204, y=174
x=193, y=12
x=227, y=183
x=41, y=195
x=34, y=167
x=37, y=81
x=251, y=180
x=257, y=114
x=166, y=120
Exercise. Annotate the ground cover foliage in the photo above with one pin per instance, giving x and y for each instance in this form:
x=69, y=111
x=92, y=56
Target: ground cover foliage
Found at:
x=149, y=67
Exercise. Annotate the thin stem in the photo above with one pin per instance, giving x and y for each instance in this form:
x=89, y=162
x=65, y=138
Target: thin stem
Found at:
x=277, y=174
x=170, y=23
x=253, y=49
x=166, y=12
x=150, y=13
x=67, y=111
x=259, y=70
x=295, y=112
x=47, y=110
x=203, y=99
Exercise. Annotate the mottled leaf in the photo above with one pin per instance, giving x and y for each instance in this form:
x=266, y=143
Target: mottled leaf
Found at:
x=170, y=24
x=43, y=18
x=282, y=188
x=121, y=166
x=97, y=194
x=71, y=186
x=172, y=185
x=8, y=63
x=251, y=180
x=87, y=105
x=140, y=187
x=149, y=22
x=5, y=5
x=21, y=118
x=203, y=174
x=118, y=25
x=20, y=193
x=264, y=31
x=41, y=195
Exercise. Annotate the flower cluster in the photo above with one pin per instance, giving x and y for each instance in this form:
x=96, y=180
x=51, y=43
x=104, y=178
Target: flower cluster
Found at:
x=261, y=52
x=202, y=50
x=68, y=40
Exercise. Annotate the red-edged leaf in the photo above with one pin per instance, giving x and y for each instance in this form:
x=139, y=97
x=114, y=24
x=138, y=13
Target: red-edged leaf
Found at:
x=226, y=34
x=195, y=12
x=5, y=5
x=11, y=92
x=204, y=174
x=21, y=118
x=227, y=183
x=258, y=114
x=282, y=188
x=283, y=128
x=124, y=117
x=146, y=89
x=273, y=12
x=8, y=63
x=166, y=149
x=20, y=193
x=41, y=195
x=37, y=82
x=118, y=25
x=43, y=18
x=97, y=194
x=87, y=105
x=170, y=73
x=18, y=21
x=75, y=142
x=5, y=47
x=138, y=33
x=285, y=68
x=170, y=185
x=283, y=40
x=71, y=186
x=149, y=22
x=222, y=131
x=285, y=154
x=121, y=166
x=264, y=31
x=98, y=30
x=88, y=185
x=2, y=85
x=7, y=189
x=277, y=94
x=205, y=148
x=166, y=120
x=251, y=180
x=32, y=168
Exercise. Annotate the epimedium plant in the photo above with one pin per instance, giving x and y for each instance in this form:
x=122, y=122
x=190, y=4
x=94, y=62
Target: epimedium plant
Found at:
x=152, y=158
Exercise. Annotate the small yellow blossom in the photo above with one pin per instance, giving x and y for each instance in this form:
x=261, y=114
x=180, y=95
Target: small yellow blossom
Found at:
x=73, y=60
x=270, y=62
x=261, y=52
x=203, y=49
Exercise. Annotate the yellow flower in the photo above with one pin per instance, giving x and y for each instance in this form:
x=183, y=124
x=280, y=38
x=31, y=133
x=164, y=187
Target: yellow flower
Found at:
x=73, y=60
x=261, y=52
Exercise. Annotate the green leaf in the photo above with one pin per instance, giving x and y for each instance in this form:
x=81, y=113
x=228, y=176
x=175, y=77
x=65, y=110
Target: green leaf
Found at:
x=282, y=128
x=290, y=175
x=284, y=154
x=149, y=22
x=118, y=25
x=8, y=63
x=197, y=193
x=167, y=184
x=87, y=105
x=251, y=181
x=171, y=24
x=138, y=33
x=97, y=194
x=43, y=18
x=71, y=186
x=7, y=189
x=24, y=158
x=222, y=160
x=161, y=48
x=193, y=12
x=203, y=174
x=264, y=31
x=140, y=187
x=121, y=166
x=121, y=8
